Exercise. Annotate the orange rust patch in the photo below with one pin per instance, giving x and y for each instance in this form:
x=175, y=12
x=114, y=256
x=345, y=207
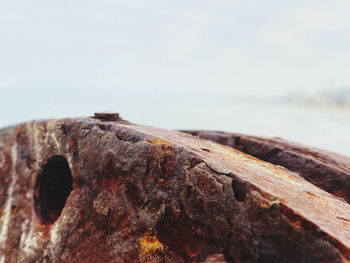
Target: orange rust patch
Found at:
x=292, y=217
x=20, y=129
x=164, y=161
x=311, y=195
x=149, y=244
x=264, y=204
x=161, y=148
x=13, y=210
x=72, y=146
x=158, y=141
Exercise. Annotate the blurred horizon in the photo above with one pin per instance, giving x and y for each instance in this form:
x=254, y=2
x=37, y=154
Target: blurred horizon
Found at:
x=258, y=67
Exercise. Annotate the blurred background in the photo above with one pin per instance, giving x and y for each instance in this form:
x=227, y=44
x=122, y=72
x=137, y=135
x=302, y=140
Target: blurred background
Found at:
x=271, y=68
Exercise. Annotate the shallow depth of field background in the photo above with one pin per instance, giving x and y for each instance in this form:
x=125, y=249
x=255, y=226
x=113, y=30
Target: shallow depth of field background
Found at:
x=271, y=68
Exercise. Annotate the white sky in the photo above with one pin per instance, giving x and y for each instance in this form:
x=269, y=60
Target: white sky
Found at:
x=146, y=59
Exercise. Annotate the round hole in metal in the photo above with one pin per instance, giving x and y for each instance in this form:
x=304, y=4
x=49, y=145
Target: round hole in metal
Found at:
x=52, y=188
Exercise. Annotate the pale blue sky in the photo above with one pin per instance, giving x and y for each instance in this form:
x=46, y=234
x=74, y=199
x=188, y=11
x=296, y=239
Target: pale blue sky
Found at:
x=225, y=45
x=147, y=59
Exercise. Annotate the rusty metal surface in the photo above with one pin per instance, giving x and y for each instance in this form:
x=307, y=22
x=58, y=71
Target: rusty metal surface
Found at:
x=141, y=194
x=329, y=171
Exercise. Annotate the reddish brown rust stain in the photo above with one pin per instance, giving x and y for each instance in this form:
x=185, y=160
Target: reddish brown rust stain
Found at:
x=73, y=146
x=169, y=198
x=329, y=171
x=109, y=184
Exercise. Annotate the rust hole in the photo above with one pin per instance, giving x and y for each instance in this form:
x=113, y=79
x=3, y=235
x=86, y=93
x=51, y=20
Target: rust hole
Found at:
x=52, y=187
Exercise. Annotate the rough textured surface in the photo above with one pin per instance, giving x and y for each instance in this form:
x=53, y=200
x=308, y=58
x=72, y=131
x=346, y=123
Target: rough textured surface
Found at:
x=329, y=171
x=141, y=194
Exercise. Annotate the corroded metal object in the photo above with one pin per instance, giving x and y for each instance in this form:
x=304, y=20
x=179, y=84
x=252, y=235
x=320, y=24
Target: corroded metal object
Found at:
x=327, y=170
x=106, y=190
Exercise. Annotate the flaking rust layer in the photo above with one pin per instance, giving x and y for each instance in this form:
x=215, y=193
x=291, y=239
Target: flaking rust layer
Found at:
x=141, y=194
x=327, y=170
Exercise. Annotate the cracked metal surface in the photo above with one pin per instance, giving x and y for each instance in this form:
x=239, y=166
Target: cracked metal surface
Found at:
x=142, y=194
x=327, y=170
